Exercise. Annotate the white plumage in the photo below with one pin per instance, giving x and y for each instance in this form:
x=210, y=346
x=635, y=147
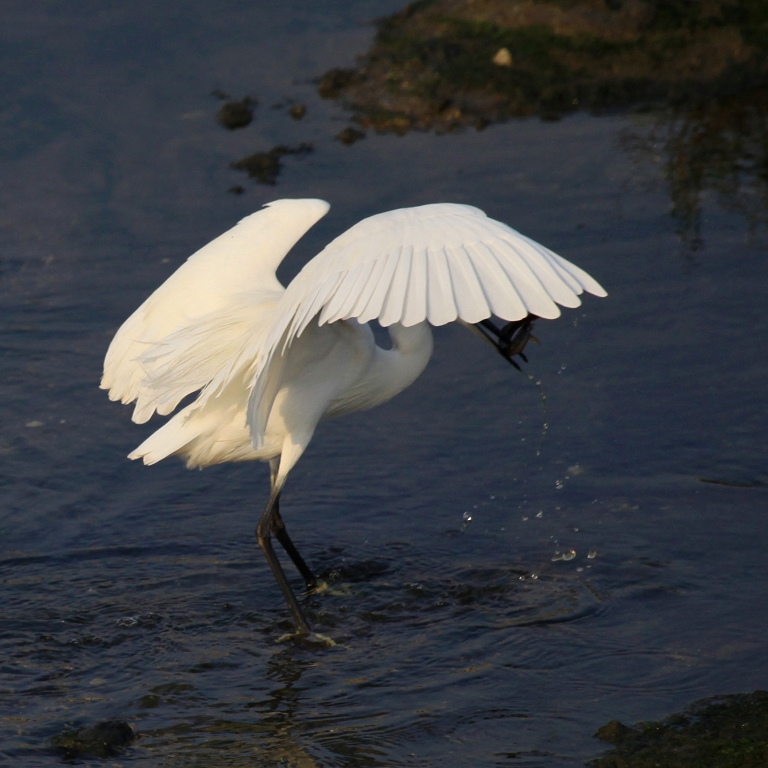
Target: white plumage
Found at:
x=270, y=362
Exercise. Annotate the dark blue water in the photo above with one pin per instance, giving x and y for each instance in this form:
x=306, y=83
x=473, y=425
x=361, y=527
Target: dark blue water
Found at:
x=512, y=561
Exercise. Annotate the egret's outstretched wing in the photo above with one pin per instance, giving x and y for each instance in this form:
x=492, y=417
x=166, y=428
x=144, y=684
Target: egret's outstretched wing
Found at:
x=243, y=259
x=439, y=263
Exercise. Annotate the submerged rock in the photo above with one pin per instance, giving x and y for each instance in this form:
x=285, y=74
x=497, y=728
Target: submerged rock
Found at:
x=233, y=115
x=105, y=739
x=265, y=167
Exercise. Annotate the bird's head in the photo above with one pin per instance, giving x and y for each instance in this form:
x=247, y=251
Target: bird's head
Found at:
x=510, y=340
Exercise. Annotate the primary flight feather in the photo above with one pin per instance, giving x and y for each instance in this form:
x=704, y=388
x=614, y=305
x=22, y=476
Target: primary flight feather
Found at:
x=268, y=363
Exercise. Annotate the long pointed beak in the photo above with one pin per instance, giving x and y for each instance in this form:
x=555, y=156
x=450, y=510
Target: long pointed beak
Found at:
x=510, y=340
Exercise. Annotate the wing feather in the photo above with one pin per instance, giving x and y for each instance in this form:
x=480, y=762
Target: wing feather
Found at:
x=528, y=282
x=470, y=297
x=547, y=280
x=337, y=307
x=415, y=303
x=357, y=304
x=378, y=294
x=442, y=307
x=313, y=304
x=394, y=304
x=503, y=297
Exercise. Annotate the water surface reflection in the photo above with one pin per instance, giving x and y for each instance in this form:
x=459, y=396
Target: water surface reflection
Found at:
x=718, y=146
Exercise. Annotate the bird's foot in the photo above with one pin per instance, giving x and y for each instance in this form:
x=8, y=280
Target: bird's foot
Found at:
x=322, y=587
x=317, y=587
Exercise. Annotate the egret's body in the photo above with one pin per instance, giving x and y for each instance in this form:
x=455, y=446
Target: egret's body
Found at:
x=269, y=363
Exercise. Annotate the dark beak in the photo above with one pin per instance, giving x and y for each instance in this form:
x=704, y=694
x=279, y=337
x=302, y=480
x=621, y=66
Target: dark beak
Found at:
x=509, y=340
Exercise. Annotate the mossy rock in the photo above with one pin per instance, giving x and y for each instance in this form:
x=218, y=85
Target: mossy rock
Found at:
x=447, y=64
x=724, y=732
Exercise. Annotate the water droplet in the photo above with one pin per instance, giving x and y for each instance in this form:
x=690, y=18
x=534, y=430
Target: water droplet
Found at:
x=592, y=554
x=467, y=517
x=540, y=513
x=559, y=484
x=569, y=554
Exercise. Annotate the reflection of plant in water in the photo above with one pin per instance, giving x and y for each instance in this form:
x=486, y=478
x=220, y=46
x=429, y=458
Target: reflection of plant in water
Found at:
x=719, y=145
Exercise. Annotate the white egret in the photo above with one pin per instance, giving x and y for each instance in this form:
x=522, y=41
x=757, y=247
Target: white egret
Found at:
x=268, y=363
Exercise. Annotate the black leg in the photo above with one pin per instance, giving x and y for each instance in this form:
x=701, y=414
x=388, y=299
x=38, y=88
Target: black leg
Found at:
x=281, y=534
x=263, y=534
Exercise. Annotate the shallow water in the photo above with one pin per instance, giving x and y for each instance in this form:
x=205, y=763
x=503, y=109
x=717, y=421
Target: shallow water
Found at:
x=445, y=522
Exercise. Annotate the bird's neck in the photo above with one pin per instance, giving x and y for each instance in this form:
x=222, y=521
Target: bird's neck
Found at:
x=391, y=370
x=398, y=367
